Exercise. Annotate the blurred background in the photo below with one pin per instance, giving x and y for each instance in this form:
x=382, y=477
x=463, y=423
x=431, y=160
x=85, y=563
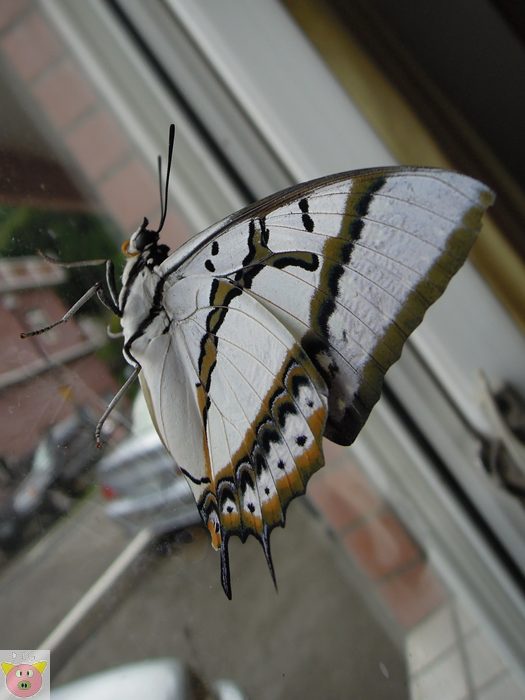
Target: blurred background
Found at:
x=402, y=572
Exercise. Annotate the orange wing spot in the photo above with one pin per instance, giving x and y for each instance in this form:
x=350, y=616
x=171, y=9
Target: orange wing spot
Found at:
x=231, y=521
x=310, y=461
x=284, y=490
x=216, y=538
x=295, y=482
x=317, y=422
x=252, y=522
x=271, y=510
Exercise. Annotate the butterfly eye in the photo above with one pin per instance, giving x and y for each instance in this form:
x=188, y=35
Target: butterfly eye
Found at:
x=140, y=240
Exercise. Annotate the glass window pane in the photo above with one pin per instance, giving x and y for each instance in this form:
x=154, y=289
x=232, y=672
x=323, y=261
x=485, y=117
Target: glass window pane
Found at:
x=103, y=546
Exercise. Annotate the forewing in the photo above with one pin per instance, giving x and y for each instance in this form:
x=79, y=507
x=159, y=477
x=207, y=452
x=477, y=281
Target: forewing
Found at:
x=239, y=405
x=349, y=264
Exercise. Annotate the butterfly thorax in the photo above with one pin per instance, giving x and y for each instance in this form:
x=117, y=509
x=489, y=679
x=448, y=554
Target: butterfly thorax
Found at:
x=140, y=300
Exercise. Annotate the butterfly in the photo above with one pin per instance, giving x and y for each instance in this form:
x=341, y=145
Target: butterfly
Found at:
x=276, y=326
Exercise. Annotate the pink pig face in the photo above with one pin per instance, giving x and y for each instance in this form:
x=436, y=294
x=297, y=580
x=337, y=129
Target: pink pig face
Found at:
x=23, y=680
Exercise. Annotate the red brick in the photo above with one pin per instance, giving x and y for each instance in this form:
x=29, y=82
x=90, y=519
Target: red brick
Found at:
x=64, y=93
x=381, y=545
x=130, y=193
x=31, y=46
x=332, y=507
x=15, y=353
x=414, y=594
x=343, y=495
x=10, y=10
x=28, y=409
x=354, y=487
x=97, y=143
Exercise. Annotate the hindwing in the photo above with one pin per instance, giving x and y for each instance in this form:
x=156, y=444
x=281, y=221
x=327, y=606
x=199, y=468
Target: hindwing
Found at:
x=239, y=405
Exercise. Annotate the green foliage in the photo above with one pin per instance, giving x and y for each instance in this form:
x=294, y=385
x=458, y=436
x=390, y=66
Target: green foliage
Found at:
x=66, y=236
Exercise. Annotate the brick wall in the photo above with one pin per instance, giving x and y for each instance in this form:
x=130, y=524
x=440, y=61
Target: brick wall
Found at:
x=35, y=394
x=83, y=125
x=376, y=540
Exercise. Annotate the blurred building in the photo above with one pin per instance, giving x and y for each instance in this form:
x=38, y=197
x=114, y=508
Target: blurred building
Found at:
x=43, y=378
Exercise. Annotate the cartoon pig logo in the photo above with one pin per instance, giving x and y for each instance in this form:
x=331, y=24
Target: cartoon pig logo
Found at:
x=24, y=680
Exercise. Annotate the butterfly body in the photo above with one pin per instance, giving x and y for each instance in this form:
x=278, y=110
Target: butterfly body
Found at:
x=276, y=326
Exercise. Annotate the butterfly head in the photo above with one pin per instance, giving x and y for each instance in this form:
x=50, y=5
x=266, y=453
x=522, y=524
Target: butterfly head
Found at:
x=144, y=242
x=141, y=241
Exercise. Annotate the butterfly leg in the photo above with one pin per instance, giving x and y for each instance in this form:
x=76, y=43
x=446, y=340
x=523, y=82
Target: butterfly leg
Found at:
x=95, y=289
x=112, y=302
x=114, y=401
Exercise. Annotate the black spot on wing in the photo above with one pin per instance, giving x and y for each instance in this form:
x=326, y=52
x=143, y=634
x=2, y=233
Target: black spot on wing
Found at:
x=306, y=218
x=334, y=276
x=210, y=340
x=318, y=350
x=225, y=488
x=285, y=409
x=257, y=250
x=298, y=380
x=202, y=480
x=308, y=261
x=246, y=481
x=259, y=462
x=308, y=222
x=314, y=343
x=361, y=208
x=267, y=434
x=354, y=229
x=265, y=232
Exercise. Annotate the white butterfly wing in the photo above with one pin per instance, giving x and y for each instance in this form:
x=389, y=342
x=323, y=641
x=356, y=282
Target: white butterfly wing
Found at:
x=238, y=404
x=349, y=264
x=284, y=319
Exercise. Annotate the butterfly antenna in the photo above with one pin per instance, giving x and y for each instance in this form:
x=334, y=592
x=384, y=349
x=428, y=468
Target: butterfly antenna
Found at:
x=161, y=193
x=164, y=193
